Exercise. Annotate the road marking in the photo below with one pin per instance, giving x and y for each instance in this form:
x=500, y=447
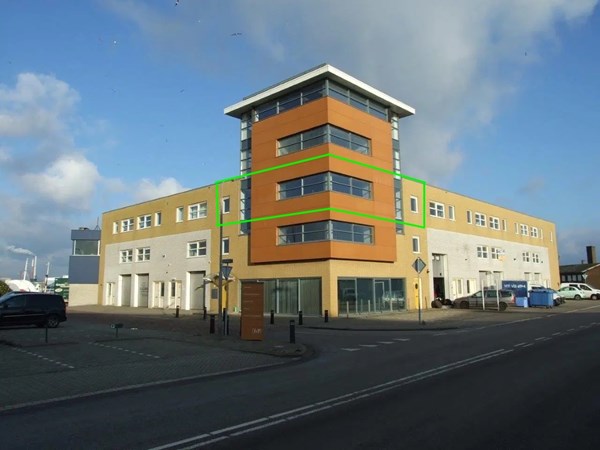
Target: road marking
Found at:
x=123, y=350
x=402, y=339
x=205, y=439
x=37, y=355
x=527, y=345
x=571, y=329
x=369, y=345
x=351, y=349
x=440, y=334
x=558, y=333
x=541, y=338
x=385, y=342
x=519, y=344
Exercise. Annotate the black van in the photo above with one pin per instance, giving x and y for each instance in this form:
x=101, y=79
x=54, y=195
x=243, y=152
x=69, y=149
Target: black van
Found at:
x=32, y=308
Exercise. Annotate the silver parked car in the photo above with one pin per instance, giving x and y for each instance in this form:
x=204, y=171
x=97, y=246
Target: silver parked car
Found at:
x=493, y=298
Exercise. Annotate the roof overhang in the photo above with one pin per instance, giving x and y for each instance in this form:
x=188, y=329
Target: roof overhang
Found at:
x=321, y=72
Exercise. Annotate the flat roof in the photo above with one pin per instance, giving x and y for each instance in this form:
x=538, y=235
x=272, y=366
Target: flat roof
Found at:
x=310, y=76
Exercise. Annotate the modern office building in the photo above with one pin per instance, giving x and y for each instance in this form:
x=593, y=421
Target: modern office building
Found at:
x=320, y=213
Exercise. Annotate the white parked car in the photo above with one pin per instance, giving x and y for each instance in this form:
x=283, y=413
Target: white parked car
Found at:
x=588, y=290
x=571, y=292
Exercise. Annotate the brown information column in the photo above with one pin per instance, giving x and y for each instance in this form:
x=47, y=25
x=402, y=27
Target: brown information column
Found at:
x=252, y=311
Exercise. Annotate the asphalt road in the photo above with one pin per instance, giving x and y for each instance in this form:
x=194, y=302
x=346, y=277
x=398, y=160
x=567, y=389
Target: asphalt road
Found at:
x=530, y=383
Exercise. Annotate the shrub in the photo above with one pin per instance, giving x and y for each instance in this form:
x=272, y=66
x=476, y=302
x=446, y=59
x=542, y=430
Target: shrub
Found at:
x=4, y=288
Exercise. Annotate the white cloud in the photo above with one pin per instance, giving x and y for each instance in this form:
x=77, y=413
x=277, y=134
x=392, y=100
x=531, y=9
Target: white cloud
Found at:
x=148, y=190
x=455, y=62
x=38, y=105
x=69, y=181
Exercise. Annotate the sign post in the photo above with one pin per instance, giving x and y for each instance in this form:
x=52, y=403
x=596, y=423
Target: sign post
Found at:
x=419, y=265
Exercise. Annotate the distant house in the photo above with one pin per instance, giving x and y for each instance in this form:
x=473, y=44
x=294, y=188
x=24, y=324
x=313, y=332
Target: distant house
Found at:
x=583, y=273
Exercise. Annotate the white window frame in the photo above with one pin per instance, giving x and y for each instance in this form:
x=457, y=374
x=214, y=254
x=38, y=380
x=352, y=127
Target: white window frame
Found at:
x=179, y=214
x=534, y=232
x=480, y=220
x=451, y=215
x=142, y=254
x=196, y=249
x=524, y=230
x=469, y=216
x=494, y=223
x=115, y=227
x=225, y=243
x=416, y=244
x=158, y=219
x=535, y=257
x=126, y=225
x=197, y=211
x=437, y=209
x=414, y=204
x=496, y=252
x=504, y=226
x=482, y=251
x=526, y=257
x=126, y=256
x=226, y=205
x=144, y=221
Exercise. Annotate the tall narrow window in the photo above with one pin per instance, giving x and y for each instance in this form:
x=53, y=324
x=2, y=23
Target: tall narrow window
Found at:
x=225, y=246
x=179, y=214
x=469, y=217
x=157, y=219
x=414, y=204
x=416, y=245
x=226, y=205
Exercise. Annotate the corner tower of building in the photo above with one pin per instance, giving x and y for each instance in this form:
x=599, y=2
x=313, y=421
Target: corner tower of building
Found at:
x=311, y=146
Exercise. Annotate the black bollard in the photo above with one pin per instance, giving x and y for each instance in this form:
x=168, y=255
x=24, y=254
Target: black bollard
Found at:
x=300, y=318
x=204, y=313
x=272, y=316
x=292, y=331
x=212, y=324
x=177, y=312
x=326, y=315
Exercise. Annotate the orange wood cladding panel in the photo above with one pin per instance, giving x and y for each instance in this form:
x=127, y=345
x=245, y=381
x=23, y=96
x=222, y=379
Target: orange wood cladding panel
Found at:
x=264, y=246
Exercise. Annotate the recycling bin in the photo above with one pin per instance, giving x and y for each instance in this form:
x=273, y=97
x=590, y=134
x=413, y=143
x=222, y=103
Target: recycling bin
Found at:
x=541, y=297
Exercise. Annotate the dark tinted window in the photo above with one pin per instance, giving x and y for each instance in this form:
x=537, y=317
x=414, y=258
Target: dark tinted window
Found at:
x=18, y=301
x=44, y=301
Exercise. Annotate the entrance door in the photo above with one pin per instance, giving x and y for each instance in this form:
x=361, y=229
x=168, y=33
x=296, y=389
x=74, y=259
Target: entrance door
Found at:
x=383, y=301
x=174, y=294
x=143, y=281
x=110, y=294
x=158, y=299
x=125, y=290
x=197, y=290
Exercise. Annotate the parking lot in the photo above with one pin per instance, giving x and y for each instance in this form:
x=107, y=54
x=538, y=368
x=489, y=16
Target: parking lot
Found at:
x=81, y=358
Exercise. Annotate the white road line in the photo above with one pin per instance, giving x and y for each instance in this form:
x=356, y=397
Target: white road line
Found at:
x=527, y=345
x=558, y=333
x=519, y=344
x=571, y=329
x=286, y=416
x=369, y=345
x=541, y=338
x=124, y=350
x=385, y=342
x=402, y=339
x=53, y=361
x=440, y=334
x=351, y=349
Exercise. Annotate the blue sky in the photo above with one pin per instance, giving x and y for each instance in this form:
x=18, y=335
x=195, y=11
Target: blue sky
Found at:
x=106, y=103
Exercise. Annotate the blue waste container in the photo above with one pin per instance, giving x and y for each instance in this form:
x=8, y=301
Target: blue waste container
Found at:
x=541, y=297
x=521, y=301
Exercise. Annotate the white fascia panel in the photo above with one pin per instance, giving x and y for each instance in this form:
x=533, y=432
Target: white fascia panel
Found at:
x=397, y=106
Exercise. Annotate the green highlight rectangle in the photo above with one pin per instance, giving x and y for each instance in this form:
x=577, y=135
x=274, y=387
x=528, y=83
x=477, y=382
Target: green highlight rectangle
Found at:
x=310, y=211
